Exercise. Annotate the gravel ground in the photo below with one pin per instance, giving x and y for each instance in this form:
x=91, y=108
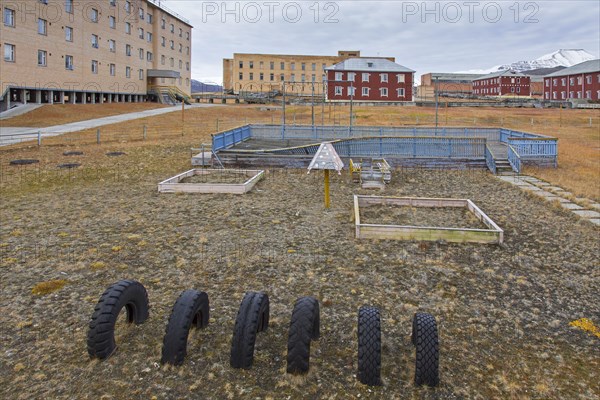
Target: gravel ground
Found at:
x=503, y=311
x=447, y=217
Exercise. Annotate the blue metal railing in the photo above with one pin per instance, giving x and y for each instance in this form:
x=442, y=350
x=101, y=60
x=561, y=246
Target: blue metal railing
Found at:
x=489, y=160
x=514, y=159
x=223, y=140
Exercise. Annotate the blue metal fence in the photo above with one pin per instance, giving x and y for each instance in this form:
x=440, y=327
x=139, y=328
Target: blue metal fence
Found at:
x=514, y=159
x=223, y=140
x=489, y=160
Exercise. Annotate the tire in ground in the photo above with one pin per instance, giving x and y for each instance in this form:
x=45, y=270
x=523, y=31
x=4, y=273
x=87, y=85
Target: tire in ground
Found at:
x=191, y=310
x=425, y=339
x=252, y=317
x=127, y=294
x=304, y=327
x=369, y=346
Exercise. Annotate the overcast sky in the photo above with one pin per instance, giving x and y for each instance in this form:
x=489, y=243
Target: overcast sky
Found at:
x=442, y=36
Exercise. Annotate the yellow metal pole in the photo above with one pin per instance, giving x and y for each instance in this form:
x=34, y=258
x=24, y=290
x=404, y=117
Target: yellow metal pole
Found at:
x=182, y=111
x=327, y=199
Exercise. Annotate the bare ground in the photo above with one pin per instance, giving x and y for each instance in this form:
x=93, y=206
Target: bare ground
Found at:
x=447, y=217
x=503, y=312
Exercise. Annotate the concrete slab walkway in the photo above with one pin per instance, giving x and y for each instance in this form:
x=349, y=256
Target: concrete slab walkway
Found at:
x=583, y=208
x=22, y=109
x=12, y=135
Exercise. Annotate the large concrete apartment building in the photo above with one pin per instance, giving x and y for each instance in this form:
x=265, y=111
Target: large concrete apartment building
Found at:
x=252, y=72
x=83, y=51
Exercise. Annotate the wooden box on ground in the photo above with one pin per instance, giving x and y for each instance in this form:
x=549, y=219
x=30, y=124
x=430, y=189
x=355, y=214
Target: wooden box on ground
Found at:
x=493, y=234
x=249, y=178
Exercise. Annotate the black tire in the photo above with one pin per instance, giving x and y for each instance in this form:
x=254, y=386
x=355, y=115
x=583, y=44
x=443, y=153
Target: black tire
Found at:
x=252, y=317
x=425, y=338
x=126, y=293
x=369, y=346
x=190, y=310
x=304, y=327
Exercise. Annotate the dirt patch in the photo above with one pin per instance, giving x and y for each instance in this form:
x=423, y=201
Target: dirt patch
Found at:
x=217, y=177
x=503, y=311
x=448, y=217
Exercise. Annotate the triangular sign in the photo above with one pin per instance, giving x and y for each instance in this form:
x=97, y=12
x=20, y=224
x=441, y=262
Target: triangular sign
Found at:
x=326, y=158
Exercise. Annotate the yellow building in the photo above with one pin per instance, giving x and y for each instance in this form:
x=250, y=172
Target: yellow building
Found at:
x=247, y=72
x=84, y=51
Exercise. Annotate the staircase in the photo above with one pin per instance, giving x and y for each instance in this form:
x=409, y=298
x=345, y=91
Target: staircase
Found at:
x=500, y=152
x=170, y=95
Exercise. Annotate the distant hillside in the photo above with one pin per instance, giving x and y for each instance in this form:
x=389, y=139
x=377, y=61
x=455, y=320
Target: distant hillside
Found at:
x=199, y=87
x=543, y=71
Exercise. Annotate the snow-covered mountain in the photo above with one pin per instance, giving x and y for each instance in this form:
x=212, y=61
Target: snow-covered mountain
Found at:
x=562, y=57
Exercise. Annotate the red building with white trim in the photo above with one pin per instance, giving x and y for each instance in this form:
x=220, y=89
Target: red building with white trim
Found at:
x=502, y=83
x=369, y=79
x=581, y=81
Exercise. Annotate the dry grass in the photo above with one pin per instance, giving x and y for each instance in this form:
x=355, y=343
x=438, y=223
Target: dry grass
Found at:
x=44, y=288
x=57, y=114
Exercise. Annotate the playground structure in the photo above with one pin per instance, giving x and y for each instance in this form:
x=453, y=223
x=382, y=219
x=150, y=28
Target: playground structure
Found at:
x=493, y=235
x=498, y=149
x=372, y=173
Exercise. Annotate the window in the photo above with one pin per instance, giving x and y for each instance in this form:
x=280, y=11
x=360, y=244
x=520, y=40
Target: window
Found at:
x=149, y=36
x=9, y=17
x=42, y=58
x=128, y=28
x=187, y=36
x=163, y=41
x=180, y=64
x=112, y=22
x=339, y=76
x=293, y=66
x=241, y=76
x=149, y=56
x=113, y=3
x=339, y=90
x=401, y=92
x=128, y=50
x=261, y=76
x=555, y=80
x=303, y=66
x=563, y=95
x=571, y=81
x=172, y=45
x=95, y=41
x=518, y=90
x=172, y=28
x=313, y=78
x=571, y=95
x=127, y=72
x=563, y=81
x=141, y=33
x=383, y=77
x=578, y=94
x=69, y=6
x=282, y=66
x=383, y=92
x=400, y=78
x=518, y=80
x=43, y=1
x=149, y=18
x=323, y=66
x=303, y=78
x=293, y=78
x=172, y=61
x=69, y=63
x=313, y=67
x=579, y=80
x=141, y=53
x=272, y=65
x=141, y=74
x=112, y=45
x=68, y=34
x=251, y=64
x=512, y=89
x=94, y=15
x=163, y=23
x=351, y=76
x=261, y=65
x=162, y=59
x=365, y=91
x=281, y=77
x=271, y=77
x=42, y=26
x=241, y=64
x=251, y=76
x=141, y=13
x=94, y=67
x=180, y=32
x=112, y=69
x=588, y=79
x=180, y=47
x=187, y=50
x=351, y=91
x=187, y=66
x=128, y=7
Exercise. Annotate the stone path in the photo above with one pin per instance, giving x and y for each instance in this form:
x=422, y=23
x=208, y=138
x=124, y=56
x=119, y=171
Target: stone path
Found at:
x=584, y=208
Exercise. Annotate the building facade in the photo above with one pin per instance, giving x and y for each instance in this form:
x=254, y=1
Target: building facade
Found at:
x=369, y=79
x=445, y=84
x=581, y=81
x=504, y=83
x=267, y=72
x=57, y=51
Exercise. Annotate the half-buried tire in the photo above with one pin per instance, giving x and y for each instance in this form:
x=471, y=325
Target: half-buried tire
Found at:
x=127, y=294
x=191, y=310
x=369, y=346
x=425, y=338
x=252, y=317
x=304, y=327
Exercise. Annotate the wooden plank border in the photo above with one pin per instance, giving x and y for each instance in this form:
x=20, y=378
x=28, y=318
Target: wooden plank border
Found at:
x=493, y=235
x=174, y=185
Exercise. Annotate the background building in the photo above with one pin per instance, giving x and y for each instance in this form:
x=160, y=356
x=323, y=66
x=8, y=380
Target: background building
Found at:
x=92, y=51
x=369, y=79
x=448, y=84
x=247, y=72
x=502, y=83
x=581, y=81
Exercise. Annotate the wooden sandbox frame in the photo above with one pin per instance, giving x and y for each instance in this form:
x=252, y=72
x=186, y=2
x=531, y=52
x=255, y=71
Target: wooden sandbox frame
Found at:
x=493, y=235
x=174, y=184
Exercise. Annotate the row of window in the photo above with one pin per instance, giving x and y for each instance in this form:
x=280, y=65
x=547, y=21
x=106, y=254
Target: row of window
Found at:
x=563, y=95
x=383, y=92
x=281, y=65
x=563, y=81
x=494, y=81
x=365, y=77
x=261, y=77
x=10, y=56
x=495, y=90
